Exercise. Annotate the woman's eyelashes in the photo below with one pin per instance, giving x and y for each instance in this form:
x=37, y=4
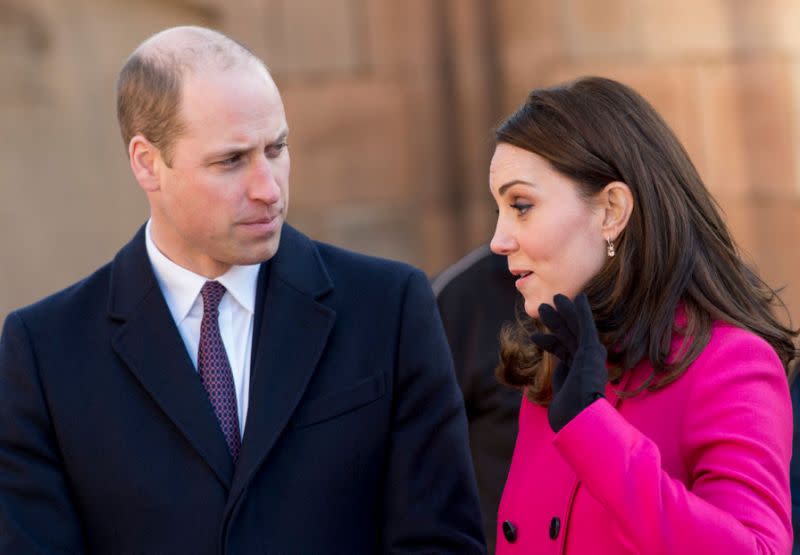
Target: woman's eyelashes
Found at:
x=521, y=206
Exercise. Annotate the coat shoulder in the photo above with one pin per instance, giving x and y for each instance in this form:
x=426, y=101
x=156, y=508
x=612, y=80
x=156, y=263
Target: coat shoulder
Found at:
x=478, y=266
x=71, y=303
x=731, y=346
x=341, y=262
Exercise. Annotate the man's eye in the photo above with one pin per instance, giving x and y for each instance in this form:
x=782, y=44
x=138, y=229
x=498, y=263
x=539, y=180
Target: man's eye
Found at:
x=521, y=207
x=273, y=151
x=230, y=161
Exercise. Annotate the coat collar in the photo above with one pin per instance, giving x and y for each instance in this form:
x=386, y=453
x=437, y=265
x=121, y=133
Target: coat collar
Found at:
x=291, y=329
x=149, y=343
x=298, y=264
x=290, y=333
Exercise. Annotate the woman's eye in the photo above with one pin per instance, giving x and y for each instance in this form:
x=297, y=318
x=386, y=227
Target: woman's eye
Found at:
x=521, y=207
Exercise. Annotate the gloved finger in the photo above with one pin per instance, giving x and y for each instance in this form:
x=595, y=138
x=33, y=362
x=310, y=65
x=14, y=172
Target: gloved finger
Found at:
x=587, y=330
x=546, y=341
x=555, y=322
x=549, y=316
x=560, y=375
x=567, y=311
x=551, y=344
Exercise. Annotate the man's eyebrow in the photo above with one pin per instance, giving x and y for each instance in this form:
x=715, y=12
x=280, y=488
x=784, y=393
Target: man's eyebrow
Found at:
x=234, y=148
x=230, y=150
x=505, y=186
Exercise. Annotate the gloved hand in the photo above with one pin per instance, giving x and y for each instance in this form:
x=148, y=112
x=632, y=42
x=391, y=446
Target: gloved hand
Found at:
x=581, y=375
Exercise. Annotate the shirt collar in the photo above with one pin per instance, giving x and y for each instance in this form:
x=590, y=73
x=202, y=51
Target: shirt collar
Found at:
x=181, y=287
x=240, y=281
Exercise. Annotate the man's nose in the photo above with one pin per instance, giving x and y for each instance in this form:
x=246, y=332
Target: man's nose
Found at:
x=263, y=185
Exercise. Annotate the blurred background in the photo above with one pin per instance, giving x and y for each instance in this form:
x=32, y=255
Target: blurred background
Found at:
x=391, y=105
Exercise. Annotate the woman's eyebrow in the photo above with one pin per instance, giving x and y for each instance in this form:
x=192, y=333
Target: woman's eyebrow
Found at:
x=505, y=186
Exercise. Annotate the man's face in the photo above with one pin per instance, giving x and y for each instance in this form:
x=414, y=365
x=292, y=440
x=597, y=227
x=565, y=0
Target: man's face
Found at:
x=223, y=201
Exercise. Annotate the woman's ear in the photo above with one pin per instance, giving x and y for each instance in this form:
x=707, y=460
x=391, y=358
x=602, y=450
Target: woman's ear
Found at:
x=144, y=157
x=616, y=202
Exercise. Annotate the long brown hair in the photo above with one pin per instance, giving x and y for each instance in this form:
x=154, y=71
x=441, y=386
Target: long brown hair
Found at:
x=675, y=250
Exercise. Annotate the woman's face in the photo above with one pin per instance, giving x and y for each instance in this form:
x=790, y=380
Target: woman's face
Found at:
x=551, y=235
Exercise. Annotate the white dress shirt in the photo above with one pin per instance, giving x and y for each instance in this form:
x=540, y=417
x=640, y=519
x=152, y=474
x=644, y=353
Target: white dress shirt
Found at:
x=181, y=289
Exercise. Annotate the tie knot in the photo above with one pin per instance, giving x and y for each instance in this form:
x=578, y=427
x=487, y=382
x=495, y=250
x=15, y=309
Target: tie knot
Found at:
x=212, y=293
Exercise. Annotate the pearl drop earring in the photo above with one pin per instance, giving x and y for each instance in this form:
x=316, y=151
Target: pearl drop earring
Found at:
x=610, y=248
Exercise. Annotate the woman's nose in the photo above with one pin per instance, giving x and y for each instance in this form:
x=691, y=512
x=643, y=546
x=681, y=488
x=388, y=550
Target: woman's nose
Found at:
x=502, y=242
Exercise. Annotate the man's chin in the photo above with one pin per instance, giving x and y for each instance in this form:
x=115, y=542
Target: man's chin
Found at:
x=259, y=252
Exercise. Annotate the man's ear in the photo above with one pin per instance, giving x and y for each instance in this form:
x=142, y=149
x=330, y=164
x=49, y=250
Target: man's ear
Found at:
x=144, y=158
x=616, y=202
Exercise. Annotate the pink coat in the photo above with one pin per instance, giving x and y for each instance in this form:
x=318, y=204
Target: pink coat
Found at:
x=701, y=466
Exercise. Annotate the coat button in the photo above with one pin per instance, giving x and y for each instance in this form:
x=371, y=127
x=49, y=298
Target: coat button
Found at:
x=510, y=531
x=555, y=527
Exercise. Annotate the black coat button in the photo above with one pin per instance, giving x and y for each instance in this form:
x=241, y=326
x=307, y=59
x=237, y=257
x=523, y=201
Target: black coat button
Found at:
x=555, y=527
x=510, y=531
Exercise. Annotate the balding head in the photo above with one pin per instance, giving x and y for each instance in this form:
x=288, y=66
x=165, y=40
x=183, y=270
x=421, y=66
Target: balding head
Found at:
x=193, y=48
x=149, y=84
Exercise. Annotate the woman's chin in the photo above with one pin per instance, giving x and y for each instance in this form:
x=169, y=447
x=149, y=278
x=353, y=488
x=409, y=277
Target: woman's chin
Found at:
x=532, y=308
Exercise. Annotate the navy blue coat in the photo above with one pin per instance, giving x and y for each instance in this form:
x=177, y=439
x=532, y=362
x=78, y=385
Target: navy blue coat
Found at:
x=355, y=440
x=794, y=467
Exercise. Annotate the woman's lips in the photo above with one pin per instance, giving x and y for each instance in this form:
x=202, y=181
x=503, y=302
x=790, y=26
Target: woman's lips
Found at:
x=522, y=278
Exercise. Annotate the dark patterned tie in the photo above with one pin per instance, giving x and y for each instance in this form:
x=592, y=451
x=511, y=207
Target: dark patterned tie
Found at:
x=214, y=368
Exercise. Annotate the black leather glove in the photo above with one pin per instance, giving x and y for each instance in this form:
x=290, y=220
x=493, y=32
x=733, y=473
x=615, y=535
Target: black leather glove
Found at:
x=581, y=375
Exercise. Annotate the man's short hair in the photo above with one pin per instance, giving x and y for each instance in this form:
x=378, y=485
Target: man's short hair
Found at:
x=148, y=101
x=149, y=84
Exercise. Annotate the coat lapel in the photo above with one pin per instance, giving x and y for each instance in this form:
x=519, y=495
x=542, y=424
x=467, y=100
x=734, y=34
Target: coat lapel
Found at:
x=151, y=346
x=291, y=331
